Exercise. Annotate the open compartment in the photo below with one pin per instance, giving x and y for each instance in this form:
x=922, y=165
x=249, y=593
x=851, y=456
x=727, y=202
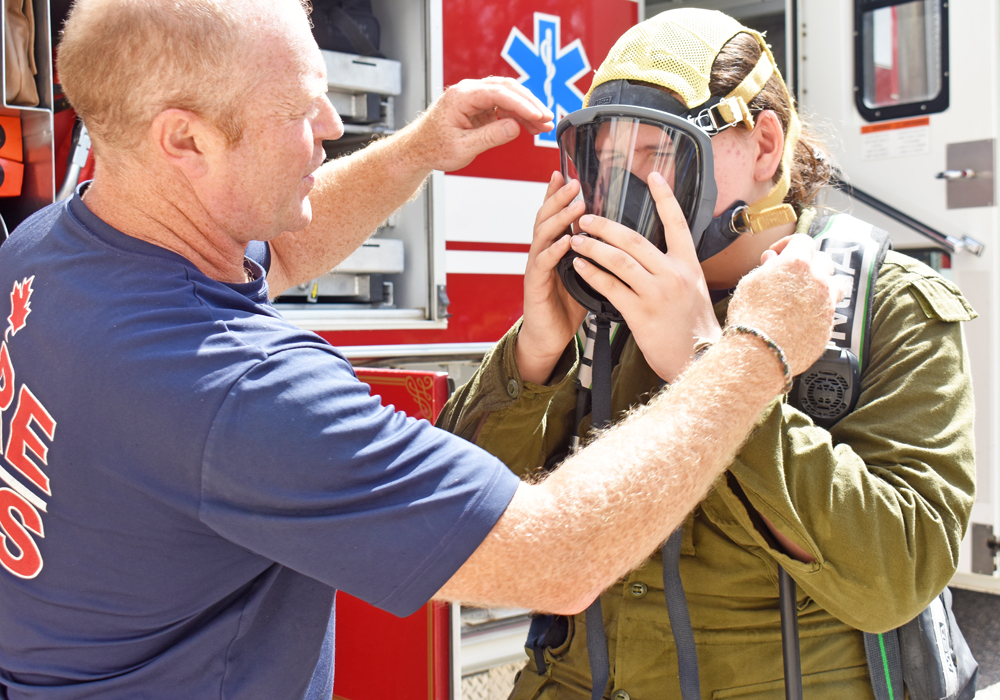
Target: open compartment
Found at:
x=392, y=281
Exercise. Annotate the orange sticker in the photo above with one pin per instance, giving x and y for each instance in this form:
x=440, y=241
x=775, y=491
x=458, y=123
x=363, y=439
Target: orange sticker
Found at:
x=901, y=124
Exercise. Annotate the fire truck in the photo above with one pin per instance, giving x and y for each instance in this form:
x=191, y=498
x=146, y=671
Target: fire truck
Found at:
x=906, y=91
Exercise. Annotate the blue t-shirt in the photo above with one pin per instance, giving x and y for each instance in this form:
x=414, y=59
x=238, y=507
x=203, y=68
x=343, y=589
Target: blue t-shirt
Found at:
x=187, y=477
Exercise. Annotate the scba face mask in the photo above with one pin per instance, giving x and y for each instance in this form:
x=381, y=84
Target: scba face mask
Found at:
x=612, y=149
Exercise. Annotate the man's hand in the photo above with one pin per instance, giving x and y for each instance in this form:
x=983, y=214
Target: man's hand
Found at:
x=551, y=315
x=662, y=296
x=474, y=116
x=790, y=297
x=353, y=195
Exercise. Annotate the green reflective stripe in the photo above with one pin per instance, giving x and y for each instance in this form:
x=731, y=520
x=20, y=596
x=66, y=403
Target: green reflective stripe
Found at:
x=885, y=666
x=872, y=276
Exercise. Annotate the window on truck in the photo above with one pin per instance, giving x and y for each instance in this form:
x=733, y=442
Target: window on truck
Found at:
x=900, y=57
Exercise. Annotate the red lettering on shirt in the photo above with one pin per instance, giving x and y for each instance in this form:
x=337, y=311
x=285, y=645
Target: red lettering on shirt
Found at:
x=17, y=518
x=6, y=378
x=20, y=306
x=23, y=438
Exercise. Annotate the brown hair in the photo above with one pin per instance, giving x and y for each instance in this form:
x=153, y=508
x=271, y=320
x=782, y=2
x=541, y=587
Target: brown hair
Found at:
x=811, y=166
x=122, y=62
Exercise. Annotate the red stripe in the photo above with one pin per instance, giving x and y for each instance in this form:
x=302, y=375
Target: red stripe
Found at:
x=489, y=247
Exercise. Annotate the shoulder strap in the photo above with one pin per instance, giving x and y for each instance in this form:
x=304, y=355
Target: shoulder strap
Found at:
x=830, y=388
x=857, y=249
x=885, y=665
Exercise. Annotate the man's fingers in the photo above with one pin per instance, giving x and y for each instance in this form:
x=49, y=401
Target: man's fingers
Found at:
x=798, y=245
x=778, y=246
x=515, y=101
x=515, y=86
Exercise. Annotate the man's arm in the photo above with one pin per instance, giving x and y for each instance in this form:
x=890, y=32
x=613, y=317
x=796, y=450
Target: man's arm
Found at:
x=353, y=195
x=608, y=507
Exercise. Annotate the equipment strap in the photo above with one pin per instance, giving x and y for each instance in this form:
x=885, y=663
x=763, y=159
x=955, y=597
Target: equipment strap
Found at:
x=885, y=665
x=790, y=653
x=600, y=417
x=680, y=618
x=857, y=250
x=604, y=358
x=597, y=650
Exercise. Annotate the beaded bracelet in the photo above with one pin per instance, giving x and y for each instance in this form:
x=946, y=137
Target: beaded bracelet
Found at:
x=701, y=347
x=772, y=346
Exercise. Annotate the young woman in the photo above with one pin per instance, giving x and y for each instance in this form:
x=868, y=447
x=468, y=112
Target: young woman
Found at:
x=867, y=517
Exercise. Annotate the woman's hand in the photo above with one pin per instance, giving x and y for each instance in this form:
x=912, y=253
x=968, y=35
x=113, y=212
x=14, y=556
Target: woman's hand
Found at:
x=663, y=297
x=551, y=315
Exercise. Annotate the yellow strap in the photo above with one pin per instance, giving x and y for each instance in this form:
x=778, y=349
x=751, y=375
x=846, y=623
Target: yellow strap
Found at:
x=769, y=218
x=756, y=79
x=770, y=211
x=734, y=110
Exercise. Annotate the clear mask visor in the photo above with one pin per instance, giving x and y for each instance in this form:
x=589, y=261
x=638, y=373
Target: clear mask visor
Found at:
x=613, y=156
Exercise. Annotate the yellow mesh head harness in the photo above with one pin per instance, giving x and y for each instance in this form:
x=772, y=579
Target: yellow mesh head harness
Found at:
x=676, y=50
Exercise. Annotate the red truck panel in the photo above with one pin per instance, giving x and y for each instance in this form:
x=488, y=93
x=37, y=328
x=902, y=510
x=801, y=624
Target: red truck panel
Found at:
x=380, y=656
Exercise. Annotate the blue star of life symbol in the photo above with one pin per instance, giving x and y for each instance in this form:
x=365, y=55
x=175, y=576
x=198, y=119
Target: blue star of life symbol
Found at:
x=547, y=69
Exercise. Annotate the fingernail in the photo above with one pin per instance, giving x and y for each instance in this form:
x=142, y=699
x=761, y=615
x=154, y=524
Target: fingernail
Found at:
x=553, y=178
x=579, y=264
x=586, y=220
x=657, y=178
x=576, y=240
x=510, y=130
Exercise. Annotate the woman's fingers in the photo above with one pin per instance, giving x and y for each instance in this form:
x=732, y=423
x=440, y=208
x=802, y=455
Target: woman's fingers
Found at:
x=617, y=292
x=617, y=239
x=548, y=258
x=675, y=227
x=559, y=210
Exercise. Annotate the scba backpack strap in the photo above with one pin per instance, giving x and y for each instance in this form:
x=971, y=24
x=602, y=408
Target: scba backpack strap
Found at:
x=829, y=389
x=601, y=342
x=927, y=658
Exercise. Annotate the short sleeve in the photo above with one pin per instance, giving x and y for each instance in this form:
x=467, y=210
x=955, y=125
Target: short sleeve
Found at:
x=304, y=467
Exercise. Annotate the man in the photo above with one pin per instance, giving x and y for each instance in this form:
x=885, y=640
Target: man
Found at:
x=188, y=477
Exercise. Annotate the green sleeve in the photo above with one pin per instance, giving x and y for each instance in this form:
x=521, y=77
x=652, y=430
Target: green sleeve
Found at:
x=882, y=500
x=520, y=422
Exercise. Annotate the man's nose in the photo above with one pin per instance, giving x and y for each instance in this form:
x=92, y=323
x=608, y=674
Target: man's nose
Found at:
x=328, y=125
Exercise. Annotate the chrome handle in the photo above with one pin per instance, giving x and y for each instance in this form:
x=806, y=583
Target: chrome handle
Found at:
x=956, y=174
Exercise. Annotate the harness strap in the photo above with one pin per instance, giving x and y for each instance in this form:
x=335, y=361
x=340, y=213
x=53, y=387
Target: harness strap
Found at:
x=601, y=394
x=597, y=650
x=885, y=665
x=597, y=645
x=680, y=618
x=790, y=653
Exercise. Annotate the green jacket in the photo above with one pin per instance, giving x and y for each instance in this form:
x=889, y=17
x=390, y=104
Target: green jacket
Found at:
x=881, y=502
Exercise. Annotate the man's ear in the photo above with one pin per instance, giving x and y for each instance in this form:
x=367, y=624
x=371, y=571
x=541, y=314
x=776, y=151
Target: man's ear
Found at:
x=769, y=140
x=182, y=139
